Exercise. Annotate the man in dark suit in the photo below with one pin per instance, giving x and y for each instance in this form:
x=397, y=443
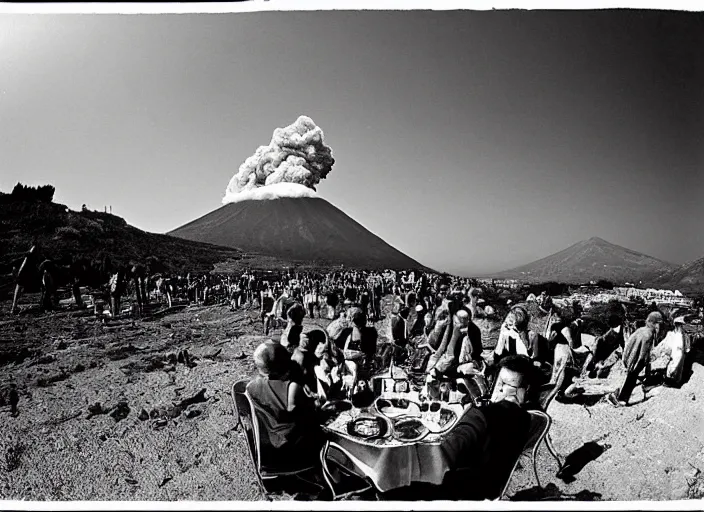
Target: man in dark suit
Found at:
x=481, y=450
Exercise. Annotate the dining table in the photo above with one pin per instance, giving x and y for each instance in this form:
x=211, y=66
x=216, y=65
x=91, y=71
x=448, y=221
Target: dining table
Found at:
x=392, y=463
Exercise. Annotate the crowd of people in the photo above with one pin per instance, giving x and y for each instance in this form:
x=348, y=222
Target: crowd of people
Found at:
x=429, y=327
x=431, y=331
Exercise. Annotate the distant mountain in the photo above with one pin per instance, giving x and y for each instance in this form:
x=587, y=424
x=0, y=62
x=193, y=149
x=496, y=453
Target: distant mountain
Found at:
x=296, y=228
x=688, y=277
x=591, y=260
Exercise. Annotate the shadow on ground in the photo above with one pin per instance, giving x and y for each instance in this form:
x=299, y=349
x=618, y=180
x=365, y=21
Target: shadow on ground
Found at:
x=575, y=461
x=552, y=493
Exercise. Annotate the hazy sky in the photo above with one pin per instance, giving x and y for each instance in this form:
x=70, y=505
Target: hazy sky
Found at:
x=472, y=141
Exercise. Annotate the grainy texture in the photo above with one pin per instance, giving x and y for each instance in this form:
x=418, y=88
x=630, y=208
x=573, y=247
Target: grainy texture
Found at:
x=64, y=446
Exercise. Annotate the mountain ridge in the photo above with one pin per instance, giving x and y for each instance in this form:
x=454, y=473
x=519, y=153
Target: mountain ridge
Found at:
x=296, y=228
x=589, y=260
x=686, y=277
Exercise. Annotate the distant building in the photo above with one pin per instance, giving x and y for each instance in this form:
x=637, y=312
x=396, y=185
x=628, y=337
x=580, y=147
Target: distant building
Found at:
x=657, y=296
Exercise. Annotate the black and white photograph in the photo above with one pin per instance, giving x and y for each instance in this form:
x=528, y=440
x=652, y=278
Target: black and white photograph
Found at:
x=260, y=255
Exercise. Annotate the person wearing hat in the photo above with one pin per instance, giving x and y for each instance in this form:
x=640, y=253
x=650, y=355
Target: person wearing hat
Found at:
x=636, y=356
x=674, y=348
x=289, y=430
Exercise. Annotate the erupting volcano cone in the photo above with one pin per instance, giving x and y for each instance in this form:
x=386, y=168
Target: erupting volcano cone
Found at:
x=297, y=229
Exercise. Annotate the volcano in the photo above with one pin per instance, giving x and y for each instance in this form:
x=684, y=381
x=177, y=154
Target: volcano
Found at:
x=591, y=260
x=305, y=229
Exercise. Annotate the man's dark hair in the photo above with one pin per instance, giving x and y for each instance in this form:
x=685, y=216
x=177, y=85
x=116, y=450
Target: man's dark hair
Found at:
x=315, y=338
x=359, y=318
x=522, y=365
x=296, y=311
x=614, y=321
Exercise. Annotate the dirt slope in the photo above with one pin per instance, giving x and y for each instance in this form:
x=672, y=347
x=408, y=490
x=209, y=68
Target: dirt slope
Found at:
x=64, y=363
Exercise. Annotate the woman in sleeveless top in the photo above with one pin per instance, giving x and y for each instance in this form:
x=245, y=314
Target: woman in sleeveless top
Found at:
x=289, y=431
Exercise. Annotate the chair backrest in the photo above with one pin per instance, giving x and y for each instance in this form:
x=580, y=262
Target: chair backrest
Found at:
x=539, y=427
x=247, y=418
x=238, y=387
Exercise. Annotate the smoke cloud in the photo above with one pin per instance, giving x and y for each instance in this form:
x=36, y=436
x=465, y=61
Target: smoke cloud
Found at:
x=296, y=155
x=275, y=191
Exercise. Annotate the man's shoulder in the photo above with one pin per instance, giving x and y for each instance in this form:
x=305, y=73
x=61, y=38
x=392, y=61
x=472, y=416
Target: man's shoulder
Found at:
x=506, y=415
x=473, y=328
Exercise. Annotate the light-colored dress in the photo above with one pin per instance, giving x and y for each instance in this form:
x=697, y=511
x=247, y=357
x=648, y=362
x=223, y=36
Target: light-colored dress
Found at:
x=672, y=350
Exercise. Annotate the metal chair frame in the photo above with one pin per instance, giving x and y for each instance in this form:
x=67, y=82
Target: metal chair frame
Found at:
x=328, y=476
x=544, y=404
x=253, y=443
x=532, y=445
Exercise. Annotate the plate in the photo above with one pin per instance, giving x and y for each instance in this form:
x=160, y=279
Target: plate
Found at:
x=441, y=421
x=369, y=427
x=395, y=407
x=409, y=429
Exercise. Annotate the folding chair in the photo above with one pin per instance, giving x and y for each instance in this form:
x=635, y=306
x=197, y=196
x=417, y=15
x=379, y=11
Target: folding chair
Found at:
x=539, y=427
x=548, y=394
x=238, y=387
x=333, y=456
x=246, y=417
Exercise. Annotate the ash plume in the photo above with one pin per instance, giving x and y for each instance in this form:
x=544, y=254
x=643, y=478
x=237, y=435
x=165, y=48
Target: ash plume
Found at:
x=296, y=155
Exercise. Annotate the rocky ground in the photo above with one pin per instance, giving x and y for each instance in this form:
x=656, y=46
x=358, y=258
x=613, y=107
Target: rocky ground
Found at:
x=108, y=411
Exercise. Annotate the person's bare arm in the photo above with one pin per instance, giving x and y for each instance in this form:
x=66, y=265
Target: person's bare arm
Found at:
x=296, y=396
x=567, y=333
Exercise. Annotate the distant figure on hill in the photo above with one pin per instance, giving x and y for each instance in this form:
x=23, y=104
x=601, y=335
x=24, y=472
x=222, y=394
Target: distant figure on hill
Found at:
x=48, y=271
x=117, y=285
x=14, y=400
x=138, y=274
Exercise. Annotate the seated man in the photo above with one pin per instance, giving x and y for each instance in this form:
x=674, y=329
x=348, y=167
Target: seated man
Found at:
x=481, y=449
x=566, y=338
x=513, y=337
x=604, y=346
x=360, y=343
x=472, y=367
x=335, y=377
x=289, y=431
x=471, y=360
x=397, y=325
x=304, y=356
x=446, y=359
x=441, y=322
